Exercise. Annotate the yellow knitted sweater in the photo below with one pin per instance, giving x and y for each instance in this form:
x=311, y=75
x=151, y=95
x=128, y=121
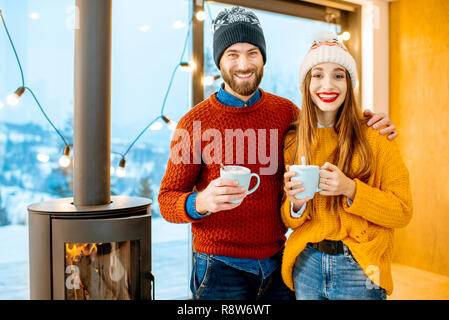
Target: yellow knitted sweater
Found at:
x=366, y=227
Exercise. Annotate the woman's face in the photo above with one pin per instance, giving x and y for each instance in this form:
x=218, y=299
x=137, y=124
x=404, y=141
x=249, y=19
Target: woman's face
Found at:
x=328, y=86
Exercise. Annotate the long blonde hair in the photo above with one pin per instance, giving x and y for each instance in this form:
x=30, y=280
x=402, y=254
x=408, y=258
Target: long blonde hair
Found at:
x=350, y=127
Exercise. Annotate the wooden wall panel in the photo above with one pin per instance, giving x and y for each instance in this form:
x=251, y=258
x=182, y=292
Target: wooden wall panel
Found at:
x=419, y=107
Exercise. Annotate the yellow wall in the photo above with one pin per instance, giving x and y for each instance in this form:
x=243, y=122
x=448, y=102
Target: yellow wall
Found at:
x=419, y=107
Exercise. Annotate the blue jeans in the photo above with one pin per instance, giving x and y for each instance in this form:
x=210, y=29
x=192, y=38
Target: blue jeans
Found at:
x=320, y=276
x=214, y=280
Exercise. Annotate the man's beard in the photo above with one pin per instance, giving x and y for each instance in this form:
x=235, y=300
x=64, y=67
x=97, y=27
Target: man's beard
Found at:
x=247, y=88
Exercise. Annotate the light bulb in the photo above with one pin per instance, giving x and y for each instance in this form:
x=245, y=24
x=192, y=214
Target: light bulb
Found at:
x=207, y=81
x=121, y=171
x=172, y=125
x=192, y=65
x=64, y=161
x=345, y=36
x=187, y=66
x=200, y=15
x=184, y=66
x=13, y=99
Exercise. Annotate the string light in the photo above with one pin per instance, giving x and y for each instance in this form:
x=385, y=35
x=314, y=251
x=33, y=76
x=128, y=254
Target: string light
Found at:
x=170, y=124
x=13, y=48
x=64, y=160
x=13, y=98
x=200, y=15
x=187, y=66
x=345, y=36
x=121, y=171
x=182, y=65
x=209, y=80
x=210, y=15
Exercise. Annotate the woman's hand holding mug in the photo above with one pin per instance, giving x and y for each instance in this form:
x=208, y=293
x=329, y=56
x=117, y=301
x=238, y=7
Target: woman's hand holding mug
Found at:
x=334, y=182
x=290, y=192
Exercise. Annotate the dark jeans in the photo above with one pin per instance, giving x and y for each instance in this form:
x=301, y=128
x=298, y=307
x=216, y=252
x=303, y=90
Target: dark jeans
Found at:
x=214, y=280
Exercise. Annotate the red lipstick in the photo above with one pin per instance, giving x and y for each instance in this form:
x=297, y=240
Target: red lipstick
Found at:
x=328, y=97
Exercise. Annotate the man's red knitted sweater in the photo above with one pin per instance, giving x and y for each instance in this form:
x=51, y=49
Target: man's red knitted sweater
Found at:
x=254, y=229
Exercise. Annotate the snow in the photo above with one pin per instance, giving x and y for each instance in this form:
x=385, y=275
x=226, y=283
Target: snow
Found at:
x=17, y=199
x=13, y=244
x=14, y=273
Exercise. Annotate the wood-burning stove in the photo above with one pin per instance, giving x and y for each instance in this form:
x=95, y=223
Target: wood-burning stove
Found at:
x=91, y=252
x=93, y=246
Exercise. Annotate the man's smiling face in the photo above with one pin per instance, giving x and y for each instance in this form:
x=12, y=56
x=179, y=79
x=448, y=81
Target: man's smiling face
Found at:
x=241, y=67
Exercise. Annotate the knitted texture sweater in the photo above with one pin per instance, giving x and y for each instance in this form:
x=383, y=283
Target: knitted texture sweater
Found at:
x=254, y=229
x=366, y=227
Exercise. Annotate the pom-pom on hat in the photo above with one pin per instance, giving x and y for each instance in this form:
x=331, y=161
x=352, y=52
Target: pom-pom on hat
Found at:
x=236, y=25
x=327, y=48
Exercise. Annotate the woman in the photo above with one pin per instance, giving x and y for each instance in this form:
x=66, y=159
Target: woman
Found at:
x=342, y=239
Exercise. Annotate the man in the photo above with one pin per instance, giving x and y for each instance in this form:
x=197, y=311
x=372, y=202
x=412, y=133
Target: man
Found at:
x=238, y=246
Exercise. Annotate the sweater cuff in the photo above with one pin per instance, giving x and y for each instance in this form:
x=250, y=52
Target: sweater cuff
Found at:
x=354, y=206
x=299, y=213
x=190, y=208
x=349, y=201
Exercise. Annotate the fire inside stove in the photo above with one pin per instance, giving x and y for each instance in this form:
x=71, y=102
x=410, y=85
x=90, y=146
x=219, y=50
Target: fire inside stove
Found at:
x=102, y=271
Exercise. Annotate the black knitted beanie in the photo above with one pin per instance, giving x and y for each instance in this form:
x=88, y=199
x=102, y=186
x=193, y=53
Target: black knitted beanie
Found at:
x=237, y=25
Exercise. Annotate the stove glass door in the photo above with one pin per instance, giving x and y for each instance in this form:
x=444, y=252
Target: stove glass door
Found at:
x=102, y=271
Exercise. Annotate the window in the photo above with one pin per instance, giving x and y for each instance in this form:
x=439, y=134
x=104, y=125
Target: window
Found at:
x=29, y=148
x=287, y=38
x=147, y=41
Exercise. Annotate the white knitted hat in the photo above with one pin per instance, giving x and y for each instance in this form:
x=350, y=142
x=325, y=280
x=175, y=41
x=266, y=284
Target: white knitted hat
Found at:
x=327, y=48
